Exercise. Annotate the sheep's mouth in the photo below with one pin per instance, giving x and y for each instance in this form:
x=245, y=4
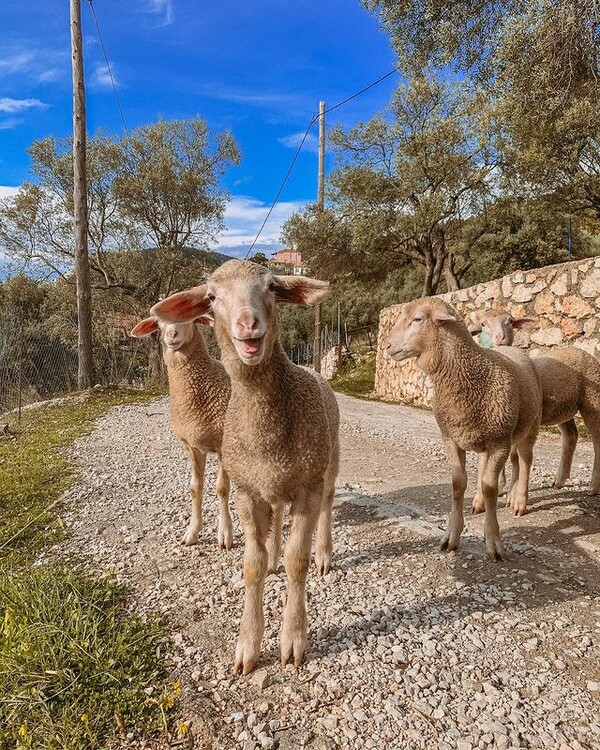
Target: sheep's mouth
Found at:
x=249, y=349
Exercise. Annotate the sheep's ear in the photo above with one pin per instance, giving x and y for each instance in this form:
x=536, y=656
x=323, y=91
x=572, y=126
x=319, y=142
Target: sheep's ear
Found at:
x=206, y=320
x=183, y=307
x=145, y=327
x=519, y=323
x=300, y=290
x=474, y=329
x=441, y=316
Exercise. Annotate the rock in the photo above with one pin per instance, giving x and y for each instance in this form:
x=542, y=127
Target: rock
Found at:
x=261, y=679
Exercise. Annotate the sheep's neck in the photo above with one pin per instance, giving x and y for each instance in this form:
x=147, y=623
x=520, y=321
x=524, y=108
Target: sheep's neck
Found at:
x=192, y=357
x=454, y=363
x=257, y=382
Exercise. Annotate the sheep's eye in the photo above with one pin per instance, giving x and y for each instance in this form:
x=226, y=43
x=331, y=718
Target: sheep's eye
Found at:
x=482, y=324
x=418, y=319
x=272, y=286
x=510, y=321
x=211, y=296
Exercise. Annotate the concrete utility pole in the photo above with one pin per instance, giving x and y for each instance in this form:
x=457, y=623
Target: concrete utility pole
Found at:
x=321, y=205
x=82, y=265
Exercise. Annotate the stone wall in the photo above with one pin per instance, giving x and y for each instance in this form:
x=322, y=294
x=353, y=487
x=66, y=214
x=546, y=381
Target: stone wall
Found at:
x=564, y=300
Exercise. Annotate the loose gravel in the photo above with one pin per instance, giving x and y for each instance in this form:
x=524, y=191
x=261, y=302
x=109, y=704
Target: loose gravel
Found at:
x=408, y=647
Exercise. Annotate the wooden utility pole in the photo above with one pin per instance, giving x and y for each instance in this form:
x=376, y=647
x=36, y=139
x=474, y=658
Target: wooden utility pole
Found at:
x=321, y=205
x=82, y=265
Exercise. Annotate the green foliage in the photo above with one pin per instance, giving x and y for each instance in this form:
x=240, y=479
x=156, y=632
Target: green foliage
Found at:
x=71, y=660
x=159, y=186
x=356, y=378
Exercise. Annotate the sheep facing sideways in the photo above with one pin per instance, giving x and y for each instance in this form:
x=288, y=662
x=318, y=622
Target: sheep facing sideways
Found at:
x=570, y=380
x=280, y=440
x=199, y=391
x=463, y=376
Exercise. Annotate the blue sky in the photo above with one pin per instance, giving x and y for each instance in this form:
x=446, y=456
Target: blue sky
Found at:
x=255, y=67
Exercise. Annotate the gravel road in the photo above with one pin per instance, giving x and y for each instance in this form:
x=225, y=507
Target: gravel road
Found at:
x=408, y=647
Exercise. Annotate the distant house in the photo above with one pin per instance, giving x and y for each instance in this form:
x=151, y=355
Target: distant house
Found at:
x=288, y=261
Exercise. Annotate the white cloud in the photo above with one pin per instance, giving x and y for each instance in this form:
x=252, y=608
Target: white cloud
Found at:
x=19, y=105
x=243, y=218
x=295, y=139
x=12, y=122
x=7, y=192
x=163, y=8
x=16, y=62
x=101, y=76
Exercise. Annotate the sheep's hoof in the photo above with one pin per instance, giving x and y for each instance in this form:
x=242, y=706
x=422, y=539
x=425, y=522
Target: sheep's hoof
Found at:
x=448, y=545
x=558, y=484
x=323, y=562
x=496, y=552
x=190, y=538
x=244, y=661
x=478, y=507
x=593, y=491
x=225, y=540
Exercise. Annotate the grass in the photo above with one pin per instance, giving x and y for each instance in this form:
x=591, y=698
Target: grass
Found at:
x=76, y=671
x=356, y=378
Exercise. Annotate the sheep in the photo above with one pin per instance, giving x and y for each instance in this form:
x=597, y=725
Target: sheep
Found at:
x=497, y=327
x=463, y=376
x=280, y=440
x=199, y=391
x=570, y=380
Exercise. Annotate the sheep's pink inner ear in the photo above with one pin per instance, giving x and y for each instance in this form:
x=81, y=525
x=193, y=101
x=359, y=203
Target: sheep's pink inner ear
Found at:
x=520, y=322
x=300, y=290
x=145, y=327
x=206, y=320
x=440, y=317
x=183, y=307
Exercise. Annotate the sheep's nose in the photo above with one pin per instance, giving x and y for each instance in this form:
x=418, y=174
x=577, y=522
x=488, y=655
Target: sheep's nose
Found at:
x=247, y=321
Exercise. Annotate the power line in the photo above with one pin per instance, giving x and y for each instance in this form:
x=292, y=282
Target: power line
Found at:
x=293, y=162
x=110, y=73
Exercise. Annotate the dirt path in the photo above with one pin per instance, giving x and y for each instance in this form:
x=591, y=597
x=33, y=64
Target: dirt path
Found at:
x=408, y=647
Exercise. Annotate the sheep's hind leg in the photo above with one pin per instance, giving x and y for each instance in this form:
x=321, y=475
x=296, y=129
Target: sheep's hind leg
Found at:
x=456, y=521
x=255, y=516
x=296, y=557
x=478, y=501
x=591, y=418
x=197, y=462
x=225, y=527
x=569, y=434
x=496, y=459
x=274, y=538
x=324, y=541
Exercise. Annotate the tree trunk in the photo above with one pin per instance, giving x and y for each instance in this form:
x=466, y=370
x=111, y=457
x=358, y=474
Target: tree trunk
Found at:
x=452, y=280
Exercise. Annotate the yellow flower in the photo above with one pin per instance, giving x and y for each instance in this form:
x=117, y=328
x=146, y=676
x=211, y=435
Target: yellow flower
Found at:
x=182, y=729
x=23, y=731
x=177, y=688
x=85, y=718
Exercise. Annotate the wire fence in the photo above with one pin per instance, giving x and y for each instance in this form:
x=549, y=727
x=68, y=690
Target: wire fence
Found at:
x=347, y=340
x=37, y=365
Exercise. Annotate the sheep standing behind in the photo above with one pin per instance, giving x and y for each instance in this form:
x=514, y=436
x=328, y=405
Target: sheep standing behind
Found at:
x=280, y=440
x=570, y=380
x=464, y=375
x=199, y=391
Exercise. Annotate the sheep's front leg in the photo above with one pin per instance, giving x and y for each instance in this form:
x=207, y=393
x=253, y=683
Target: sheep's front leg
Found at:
x=591, y=419
x=496, y=460
x=514, y=477
x=197, y=462
x=255, y=516
x=225, y=527
x=305, y=511
x=456, y=521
